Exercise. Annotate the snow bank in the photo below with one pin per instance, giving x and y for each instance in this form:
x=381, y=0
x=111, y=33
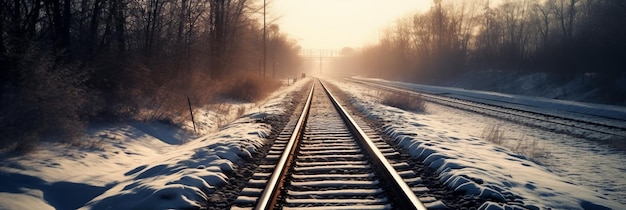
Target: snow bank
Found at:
x=185, y=177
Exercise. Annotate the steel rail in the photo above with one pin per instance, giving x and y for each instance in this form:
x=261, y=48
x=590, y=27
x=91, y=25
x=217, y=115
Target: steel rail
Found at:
x=403, y=194
x=270, y=194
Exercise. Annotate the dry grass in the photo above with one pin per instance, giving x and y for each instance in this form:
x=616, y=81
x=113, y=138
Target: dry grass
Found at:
x=225, y=110
x=529, y=148
x=91, y=144
x=54, y=103
x=241, y=110
x=493, y=134
x=402, y=100
x=247, y=87
x=170, y=101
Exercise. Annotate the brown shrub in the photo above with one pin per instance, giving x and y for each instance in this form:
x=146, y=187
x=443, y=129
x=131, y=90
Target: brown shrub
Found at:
x=247, y=87
x=46, y=98
x=402, y=100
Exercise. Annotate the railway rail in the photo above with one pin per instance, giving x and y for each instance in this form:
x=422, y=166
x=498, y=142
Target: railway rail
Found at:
x=324, y=160
x=577, y=126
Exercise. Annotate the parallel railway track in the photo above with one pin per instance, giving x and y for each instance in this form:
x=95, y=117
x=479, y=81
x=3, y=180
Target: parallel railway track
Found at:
x=324, y=160
x=576, y=126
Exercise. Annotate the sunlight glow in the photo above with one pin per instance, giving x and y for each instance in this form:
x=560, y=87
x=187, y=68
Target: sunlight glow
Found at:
x=334, y=24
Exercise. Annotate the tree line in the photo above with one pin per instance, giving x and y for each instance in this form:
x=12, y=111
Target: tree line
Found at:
x=565, y=38
x=67, y=62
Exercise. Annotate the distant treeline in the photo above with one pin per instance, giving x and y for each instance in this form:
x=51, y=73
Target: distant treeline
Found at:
x=565, y=38
x=65, y=62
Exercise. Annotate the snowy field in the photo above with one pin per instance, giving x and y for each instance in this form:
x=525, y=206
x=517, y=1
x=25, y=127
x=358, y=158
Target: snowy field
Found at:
x=139, y=165
x=157, y=166
x=571, y=173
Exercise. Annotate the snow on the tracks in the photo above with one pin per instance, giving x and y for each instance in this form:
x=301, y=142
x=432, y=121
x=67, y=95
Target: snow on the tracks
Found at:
x=351, y=202
x=335, y=183
x=353, y=162
x=323, y=168
x=332, y=176
x=139, y=165
x=341, y=192
x=350, y=207
x=467, y=163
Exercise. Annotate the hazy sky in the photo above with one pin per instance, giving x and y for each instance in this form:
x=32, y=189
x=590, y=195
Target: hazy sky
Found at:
x=334, y=24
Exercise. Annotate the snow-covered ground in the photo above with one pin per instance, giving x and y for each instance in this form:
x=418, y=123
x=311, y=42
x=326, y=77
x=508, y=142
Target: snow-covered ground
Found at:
x=152, y=165
x=140, y=165
x=573, y=174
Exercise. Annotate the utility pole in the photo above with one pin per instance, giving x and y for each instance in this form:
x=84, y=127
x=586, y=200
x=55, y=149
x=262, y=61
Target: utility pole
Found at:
x=264, y=41
x=320, y=62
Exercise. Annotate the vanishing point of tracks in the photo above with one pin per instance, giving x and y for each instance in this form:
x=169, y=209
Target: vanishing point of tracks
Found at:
x=323, y=160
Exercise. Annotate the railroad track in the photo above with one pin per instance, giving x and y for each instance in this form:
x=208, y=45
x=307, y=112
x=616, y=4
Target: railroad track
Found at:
x=576, y=126
x=324, y=160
